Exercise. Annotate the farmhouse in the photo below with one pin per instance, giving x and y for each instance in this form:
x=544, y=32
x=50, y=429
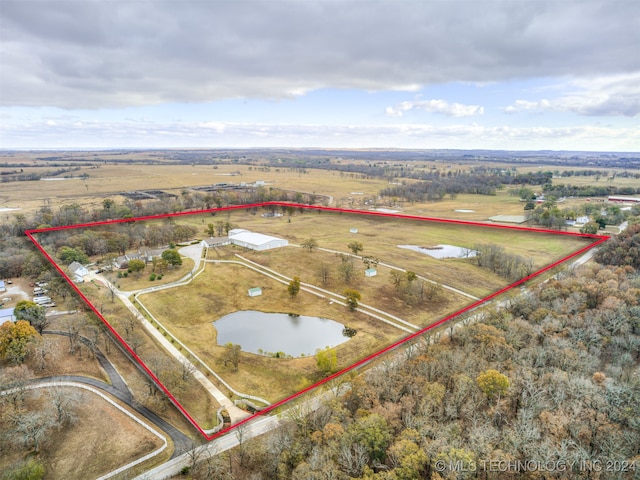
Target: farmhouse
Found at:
x=213, y=242
x=255, y=241
x=77, y=271
x=146, y=255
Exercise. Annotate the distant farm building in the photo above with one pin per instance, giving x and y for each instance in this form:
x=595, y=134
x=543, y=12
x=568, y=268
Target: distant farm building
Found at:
x=255, y=241
x=623, y=199
x=213, y=242
x=508, y=218
x=255, y=292
x=353, y=230
x=370, y=272
x=3, y=288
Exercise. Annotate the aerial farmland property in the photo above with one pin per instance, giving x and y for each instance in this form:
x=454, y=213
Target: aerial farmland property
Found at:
x=236, y=311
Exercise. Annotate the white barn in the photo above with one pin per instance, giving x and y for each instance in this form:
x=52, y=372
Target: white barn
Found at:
x=255, y=241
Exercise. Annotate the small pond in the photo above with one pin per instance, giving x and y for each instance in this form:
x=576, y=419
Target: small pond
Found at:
x=442, y=251
x=268, y=333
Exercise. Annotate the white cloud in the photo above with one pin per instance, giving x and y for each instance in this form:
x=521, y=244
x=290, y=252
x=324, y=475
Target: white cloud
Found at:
x=435, y=106
x=617, y=96
x=145, y=134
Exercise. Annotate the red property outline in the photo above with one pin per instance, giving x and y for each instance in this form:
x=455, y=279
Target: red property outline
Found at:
x=29, y=233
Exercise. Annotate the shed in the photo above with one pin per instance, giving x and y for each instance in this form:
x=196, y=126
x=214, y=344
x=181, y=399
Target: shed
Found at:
x=6, y=315
x=255, y=241
x=255, y=292
x=370, y=272
x=353, y=230
x=3, y=287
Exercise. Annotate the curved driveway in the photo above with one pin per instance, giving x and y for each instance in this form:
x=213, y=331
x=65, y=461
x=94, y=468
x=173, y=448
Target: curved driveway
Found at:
x=120, y=390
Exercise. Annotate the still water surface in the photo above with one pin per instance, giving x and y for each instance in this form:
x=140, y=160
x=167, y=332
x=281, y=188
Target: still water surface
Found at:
x=260, y=332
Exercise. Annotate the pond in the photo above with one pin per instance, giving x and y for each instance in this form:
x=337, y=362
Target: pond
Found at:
x=268, y=333
x=443, y=251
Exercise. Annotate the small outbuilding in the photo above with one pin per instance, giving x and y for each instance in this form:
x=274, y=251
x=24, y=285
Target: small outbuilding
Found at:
x=3, y=287
x=370, y=272
x=353, y=230
x=255, y=292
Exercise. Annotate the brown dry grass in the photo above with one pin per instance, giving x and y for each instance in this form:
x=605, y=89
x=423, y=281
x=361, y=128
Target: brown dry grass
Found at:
x=381, y=235
x=188, y=311
x=221, y=289
x=100, y=439
x=191, y=394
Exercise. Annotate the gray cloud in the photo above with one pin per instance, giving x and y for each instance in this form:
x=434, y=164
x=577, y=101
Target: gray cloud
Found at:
x=99, y=53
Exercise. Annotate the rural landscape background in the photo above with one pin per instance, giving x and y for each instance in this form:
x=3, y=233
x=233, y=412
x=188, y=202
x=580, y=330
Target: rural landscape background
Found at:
x=449, y=192
x=562, y=351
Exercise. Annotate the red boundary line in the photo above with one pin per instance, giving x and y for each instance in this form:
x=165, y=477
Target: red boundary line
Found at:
x=29, y=233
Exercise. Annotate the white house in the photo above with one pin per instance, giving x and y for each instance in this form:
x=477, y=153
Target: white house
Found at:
x=255, y=241
x=77, y=271
x=370, y=272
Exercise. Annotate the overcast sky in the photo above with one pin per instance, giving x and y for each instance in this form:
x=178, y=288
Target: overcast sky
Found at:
x=518, y=74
